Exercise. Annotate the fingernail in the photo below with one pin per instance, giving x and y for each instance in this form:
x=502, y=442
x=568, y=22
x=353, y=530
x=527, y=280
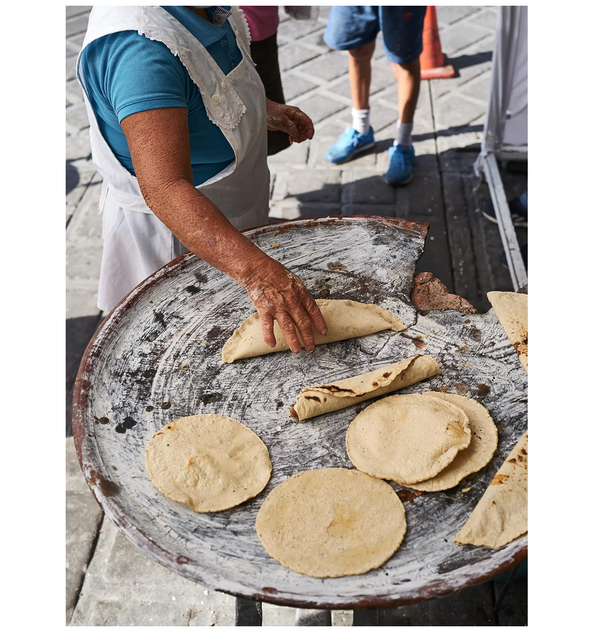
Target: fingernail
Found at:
x=324, y=331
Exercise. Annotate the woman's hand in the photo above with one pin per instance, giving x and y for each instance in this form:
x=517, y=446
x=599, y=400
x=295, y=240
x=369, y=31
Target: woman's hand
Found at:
x=280, y=295
x=283, y=117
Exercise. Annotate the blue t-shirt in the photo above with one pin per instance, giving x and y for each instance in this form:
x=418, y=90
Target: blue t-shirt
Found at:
x=127, y=73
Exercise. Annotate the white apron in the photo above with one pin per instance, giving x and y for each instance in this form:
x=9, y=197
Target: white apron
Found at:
x=135, y=242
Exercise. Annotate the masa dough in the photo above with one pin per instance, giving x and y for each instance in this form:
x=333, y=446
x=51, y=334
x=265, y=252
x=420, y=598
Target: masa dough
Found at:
x=208, y=462
x=407, y=438
x=331, y=522
x=344, y=318
x=332, y=396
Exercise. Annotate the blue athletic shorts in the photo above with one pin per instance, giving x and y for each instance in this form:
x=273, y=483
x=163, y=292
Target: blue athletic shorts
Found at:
x=402, y=29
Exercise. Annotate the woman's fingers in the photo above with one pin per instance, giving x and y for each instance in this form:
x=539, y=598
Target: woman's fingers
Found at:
x=266, y=320
x=303, y=122
x=287, y=326
x=291, y=119
x=283, y=117
x=304, y=324
x=315, y=314
x=288, y=329
x=292, y=129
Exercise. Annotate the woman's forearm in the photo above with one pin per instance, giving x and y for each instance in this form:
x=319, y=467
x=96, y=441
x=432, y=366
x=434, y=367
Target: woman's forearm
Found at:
x=159, y=144
x=204, y=230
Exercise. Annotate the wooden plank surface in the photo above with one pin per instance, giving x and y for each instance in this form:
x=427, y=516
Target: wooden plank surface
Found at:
x=513, y=609
x=469, y=607
x=157, y=357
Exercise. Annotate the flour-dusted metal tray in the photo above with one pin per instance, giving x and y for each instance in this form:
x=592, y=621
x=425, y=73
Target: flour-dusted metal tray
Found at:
x=156, y=357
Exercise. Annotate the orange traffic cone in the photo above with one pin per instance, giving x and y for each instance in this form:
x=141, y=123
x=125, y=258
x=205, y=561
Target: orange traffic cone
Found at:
x=434, y=63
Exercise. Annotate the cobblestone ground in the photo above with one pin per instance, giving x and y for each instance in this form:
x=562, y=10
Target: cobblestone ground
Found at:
x=110, y=582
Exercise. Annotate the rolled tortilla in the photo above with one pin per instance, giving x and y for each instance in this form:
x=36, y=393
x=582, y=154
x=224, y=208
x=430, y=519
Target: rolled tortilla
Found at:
x=337, y=395
x=344, y=318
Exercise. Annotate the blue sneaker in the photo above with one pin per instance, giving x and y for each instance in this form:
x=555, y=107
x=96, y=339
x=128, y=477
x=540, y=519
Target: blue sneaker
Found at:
x=350, y=143
x=401, y=165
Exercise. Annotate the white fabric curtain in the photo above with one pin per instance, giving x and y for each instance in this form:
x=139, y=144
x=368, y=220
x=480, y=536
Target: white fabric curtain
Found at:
x=506, y=117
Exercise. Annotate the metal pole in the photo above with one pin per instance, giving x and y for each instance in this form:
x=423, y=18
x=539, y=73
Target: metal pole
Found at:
x=514, y=259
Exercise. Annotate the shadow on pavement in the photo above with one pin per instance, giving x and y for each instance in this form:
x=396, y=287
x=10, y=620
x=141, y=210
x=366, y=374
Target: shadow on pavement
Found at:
x=469, y=60
x=72, y=177
x=456, y=130
x=381, y=145
x=79, y=332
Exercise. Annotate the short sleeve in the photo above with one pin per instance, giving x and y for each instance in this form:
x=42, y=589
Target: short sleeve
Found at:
x=137, y=74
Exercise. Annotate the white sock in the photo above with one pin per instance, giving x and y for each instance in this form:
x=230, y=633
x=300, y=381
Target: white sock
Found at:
x=403, y=133
x=360, y=120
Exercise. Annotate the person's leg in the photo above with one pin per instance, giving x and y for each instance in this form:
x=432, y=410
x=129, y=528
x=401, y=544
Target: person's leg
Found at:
x=517, y=207
x=354, y=29
x=402, y=29
x=359, y=71
x=409, y=83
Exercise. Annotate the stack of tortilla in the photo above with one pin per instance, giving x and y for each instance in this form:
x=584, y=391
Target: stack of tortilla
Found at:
x=428, y=441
